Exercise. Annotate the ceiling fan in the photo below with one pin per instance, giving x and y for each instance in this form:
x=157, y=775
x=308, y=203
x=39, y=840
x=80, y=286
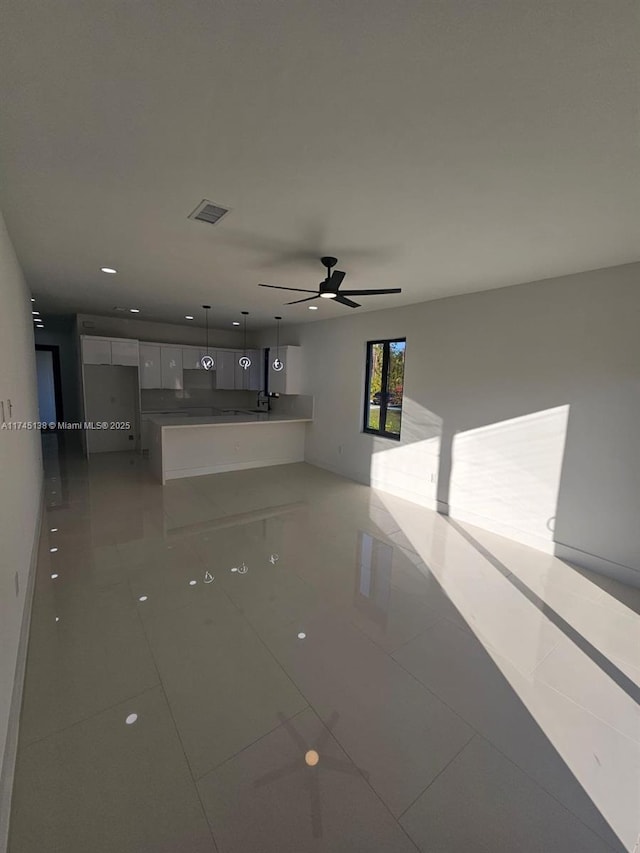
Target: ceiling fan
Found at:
x=329, y=288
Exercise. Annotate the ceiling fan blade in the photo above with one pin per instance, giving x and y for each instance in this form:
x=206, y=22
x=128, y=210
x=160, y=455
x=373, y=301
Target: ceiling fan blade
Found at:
x=340, y=298
x=308, y=299
x=370, y=292
x=297, y=289
x=335, y=280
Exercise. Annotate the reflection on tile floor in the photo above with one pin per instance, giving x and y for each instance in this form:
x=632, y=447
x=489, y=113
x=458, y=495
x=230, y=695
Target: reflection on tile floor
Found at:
x=280, y=659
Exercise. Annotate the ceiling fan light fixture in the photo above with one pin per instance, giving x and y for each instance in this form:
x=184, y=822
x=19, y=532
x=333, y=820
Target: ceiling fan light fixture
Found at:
x=330, y=288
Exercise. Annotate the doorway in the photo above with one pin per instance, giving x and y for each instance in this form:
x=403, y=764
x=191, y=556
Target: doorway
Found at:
x=50, y=409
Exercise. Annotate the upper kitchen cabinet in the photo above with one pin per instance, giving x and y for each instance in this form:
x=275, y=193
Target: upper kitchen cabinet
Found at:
x=256, y=371
x=226, y=369
x=191, y=357
x=125, y=352
x=248, y=378
x=120, y=351
x=150, y=370
x=96, y=350
x=160, y=366
x=171, y=367
x=288, y=380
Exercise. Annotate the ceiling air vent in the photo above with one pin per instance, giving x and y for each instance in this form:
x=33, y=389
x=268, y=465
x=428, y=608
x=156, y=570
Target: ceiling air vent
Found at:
x=208, y=212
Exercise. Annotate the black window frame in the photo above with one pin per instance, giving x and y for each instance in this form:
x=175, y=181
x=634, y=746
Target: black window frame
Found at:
x=383, y=396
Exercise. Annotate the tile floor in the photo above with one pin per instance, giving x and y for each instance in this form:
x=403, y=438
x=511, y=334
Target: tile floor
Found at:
x=283, y=660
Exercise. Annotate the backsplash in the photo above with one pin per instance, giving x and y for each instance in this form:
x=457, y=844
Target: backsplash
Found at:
x=152, y=400
x=300, y=405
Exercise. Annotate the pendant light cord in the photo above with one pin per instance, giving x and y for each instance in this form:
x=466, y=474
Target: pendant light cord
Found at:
x=245, y=313
x=206, y=325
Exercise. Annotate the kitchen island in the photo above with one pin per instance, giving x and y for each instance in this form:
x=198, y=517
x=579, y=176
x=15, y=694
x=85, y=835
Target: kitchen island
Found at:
x=189, y=446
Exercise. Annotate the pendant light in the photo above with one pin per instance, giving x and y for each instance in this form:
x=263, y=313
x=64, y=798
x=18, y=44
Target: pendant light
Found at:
x=207, y=361
x=277, y=365
x=244, y=361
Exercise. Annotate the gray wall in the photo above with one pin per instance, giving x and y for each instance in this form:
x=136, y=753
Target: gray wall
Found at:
x=20, y=487
x=521, y=412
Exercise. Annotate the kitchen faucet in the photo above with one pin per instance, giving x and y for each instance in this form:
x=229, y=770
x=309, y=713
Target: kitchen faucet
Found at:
x=263, y=402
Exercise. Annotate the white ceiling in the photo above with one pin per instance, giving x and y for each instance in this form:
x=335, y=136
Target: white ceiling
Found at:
x=443, y=147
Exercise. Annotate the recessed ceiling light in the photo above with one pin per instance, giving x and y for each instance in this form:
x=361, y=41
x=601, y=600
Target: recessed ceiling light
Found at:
x=131, y=719
x=32, y=299
x=236, y=323
x=134, y=310
x=313, y=307
x=108, y=270
x=328, y=295
x=35, y=312
x=188, y=317
x=39, y=327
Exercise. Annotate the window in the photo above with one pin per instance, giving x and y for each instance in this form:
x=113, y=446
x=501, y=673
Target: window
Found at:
x=384, y=387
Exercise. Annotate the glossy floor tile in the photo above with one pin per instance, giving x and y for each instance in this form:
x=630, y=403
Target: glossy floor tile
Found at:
x=281, y=659
x=105, y=785
x=296, y=789
x=483, y=802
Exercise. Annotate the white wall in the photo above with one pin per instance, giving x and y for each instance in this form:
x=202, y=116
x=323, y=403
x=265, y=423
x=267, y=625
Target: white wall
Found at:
x=521, y=412
x=20, y=484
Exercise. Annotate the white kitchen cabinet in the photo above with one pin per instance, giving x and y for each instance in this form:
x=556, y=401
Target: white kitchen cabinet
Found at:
x=256, y=371
x=125, y=352
x=149, y=366
x=171, y=367
x=191, y=357
x=96, y=350
x=289, y=379
x=244, y=375
x=226, y=369
x=248, y=379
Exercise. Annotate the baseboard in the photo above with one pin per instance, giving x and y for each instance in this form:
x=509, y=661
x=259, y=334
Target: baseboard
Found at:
x=11, y=745
x=600, y=565
x=334, y=469
x=405, y=494
x=506, y=530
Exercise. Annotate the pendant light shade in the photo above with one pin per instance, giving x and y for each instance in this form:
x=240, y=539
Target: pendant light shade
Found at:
x=207, y=361
x=277, y=363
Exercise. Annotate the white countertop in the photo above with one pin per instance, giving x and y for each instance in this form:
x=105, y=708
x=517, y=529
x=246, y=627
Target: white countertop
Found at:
x=180, y=420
